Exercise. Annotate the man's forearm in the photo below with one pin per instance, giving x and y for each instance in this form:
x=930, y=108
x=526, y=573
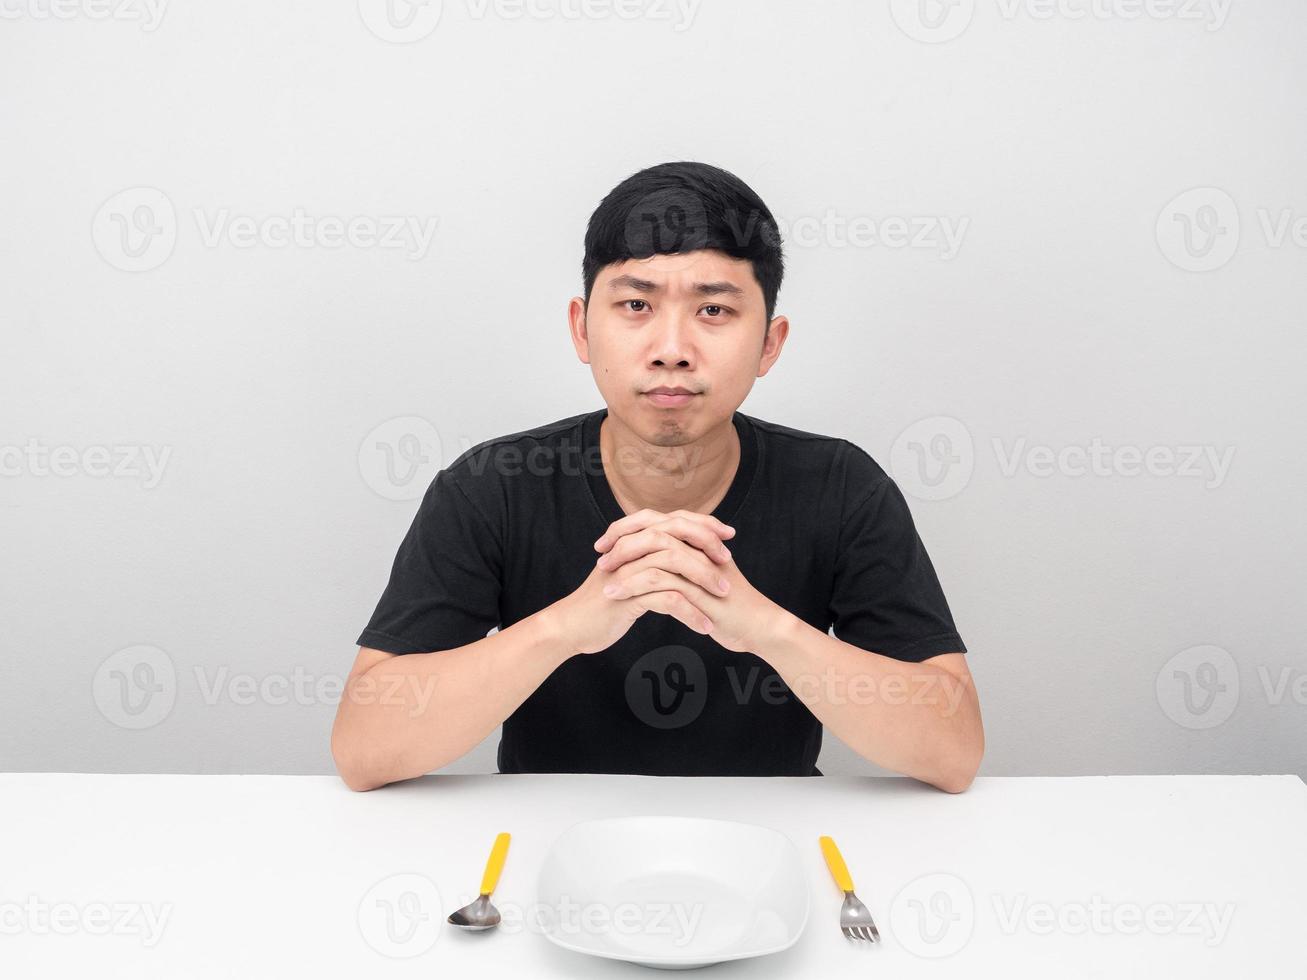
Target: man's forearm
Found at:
x=411, y=714
x=914, y=718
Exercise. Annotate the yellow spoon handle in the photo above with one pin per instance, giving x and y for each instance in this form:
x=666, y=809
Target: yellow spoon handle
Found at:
x=495, y=864
x=835, y=861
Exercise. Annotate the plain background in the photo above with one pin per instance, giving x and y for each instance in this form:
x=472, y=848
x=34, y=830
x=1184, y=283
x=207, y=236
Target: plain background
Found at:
x=1138, y=618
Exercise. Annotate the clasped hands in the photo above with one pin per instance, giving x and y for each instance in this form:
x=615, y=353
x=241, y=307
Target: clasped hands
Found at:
x=675, y=564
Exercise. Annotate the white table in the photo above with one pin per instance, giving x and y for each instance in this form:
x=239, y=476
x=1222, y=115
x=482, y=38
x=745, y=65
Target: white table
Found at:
x=264, y=876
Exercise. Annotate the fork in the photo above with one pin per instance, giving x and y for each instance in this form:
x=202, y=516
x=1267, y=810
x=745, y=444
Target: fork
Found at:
x=855, y=920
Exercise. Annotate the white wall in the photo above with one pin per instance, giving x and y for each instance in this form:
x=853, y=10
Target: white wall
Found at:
x=1073, y=310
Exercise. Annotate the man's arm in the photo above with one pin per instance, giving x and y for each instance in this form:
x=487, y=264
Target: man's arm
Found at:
x=920, y=719
x=403, y=716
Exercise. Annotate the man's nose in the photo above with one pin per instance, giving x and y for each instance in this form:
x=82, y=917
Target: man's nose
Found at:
x=673, y=341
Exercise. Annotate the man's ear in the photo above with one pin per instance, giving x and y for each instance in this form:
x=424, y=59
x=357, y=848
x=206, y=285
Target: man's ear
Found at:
x=577, y=328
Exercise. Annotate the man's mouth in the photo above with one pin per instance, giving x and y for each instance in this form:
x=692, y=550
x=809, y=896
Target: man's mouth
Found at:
x=669, y=397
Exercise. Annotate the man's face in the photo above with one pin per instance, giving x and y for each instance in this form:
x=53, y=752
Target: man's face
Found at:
x=693, y=320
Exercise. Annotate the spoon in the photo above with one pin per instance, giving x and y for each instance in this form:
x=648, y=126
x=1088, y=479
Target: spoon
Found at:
x=481, y=914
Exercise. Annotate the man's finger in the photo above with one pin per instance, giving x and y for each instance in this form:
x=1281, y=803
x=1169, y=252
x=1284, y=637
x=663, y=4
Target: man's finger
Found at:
x=668, y=536
x=642, y=519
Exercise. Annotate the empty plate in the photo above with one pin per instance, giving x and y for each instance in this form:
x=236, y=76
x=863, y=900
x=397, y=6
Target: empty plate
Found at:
x=672, y=892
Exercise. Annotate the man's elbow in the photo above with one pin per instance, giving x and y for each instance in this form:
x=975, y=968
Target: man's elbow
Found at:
x=959, y=767
x=349, y=766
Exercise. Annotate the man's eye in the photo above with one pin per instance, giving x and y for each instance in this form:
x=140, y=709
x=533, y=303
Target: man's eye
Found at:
x=720, y=310
x=625, y=302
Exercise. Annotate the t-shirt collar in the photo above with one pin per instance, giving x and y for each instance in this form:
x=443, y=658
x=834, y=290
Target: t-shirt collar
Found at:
x=603, y=493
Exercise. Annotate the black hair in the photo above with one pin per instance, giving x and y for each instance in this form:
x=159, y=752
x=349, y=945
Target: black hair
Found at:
x=683, y=207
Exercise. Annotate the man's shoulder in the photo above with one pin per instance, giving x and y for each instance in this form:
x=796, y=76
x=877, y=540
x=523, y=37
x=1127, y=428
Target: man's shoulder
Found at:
x=541, y=451
x=830, y=456
x=554, y=433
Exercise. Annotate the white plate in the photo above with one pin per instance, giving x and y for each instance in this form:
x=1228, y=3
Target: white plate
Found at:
x=673, y=892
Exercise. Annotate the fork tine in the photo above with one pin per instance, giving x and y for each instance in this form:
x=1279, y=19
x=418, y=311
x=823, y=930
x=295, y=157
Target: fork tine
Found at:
x=875, y=933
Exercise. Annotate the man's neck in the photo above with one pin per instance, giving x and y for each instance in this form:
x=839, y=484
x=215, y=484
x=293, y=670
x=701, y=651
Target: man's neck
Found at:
x=694, y=476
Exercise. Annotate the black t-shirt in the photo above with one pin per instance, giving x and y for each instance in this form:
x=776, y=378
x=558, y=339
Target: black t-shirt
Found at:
x=509, y=528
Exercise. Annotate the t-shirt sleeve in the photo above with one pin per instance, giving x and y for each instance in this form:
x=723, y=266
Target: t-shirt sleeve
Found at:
x=444, y=584
x=886, y=597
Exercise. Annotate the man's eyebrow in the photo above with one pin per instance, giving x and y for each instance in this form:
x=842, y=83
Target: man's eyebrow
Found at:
x=700, y=288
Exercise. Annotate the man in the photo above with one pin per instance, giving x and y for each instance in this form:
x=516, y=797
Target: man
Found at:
x=664, y=572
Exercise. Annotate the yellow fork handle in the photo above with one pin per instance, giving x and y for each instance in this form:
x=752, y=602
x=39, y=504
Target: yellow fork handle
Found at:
x=835, y=861
x=495, y=864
